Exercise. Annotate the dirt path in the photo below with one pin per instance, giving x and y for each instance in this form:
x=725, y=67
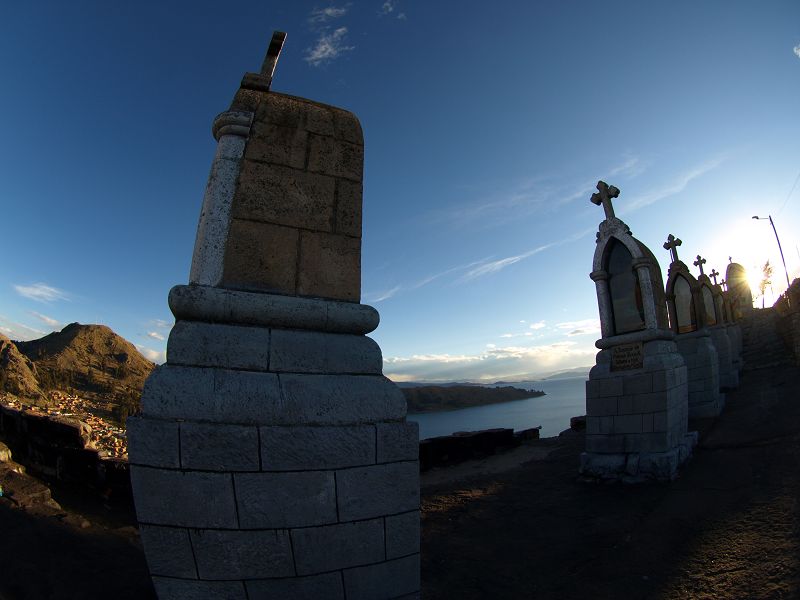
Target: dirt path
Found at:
x=728, y=528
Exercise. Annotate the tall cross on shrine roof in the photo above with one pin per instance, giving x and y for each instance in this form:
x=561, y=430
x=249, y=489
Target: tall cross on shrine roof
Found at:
x=699, y=263
x=672, y=244
x=603, y=196
x=263, y=80
x=713, y=275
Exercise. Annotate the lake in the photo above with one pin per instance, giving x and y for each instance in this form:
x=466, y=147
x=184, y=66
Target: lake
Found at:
x=563, y=399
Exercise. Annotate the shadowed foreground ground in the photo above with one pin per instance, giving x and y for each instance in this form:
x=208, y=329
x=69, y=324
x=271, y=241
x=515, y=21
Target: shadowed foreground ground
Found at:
x=729, y=527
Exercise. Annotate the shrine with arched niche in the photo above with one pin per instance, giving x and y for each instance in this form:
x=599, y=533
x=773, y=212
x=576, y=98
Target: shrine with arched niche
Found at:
x=713, y=319
x=687, y=319
x=636, y=396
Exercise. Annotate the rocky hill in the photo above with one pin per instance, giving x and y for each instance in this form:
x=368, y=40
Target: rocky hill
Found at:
x=436, y=398
x=17, y=372
x=90, y=359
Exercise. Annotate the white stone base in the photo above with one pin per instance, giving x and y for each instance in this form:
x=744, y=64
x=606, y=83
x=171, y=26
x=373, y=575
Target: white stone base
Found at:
x=637, y=468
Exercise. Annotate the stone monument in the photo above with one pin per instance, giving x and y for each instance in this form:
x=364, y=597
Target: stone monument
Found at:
x=739, y=292
x=636, y=396
x=693, y=338
x=728, y=375
x=734, y=331
x=271, y=458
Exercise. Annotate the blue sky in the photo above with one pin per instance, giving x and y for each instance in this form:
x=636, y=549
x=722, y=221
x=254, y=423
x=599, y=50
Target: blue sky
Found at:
x=485, y=133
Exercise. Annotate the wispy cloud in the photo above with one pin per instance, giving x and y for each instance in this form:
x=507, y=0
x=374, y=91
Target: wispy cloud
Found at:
x=18, y=331
x=535, y=195
x=155, y=335
x=160, y=323
x=582, y=327
x=155, y=356
x=329, y=47
x=491, y=364
x=675, y=186
x=45, y=319
x=538, y=325
x=389, y=7
x=41, y=292
x=323, y=15
x=385, y=295
x=796, y=50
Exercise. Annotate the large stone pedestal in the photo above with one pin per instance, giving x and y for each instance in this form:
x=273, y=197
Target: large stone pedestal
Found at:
x=702, y=364
x=271, y=458
x=636, y=418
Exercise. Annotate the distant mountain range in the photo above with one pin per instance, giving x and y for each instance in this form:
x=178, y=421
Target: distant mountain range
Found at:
x=436, y=398
x=90, y=360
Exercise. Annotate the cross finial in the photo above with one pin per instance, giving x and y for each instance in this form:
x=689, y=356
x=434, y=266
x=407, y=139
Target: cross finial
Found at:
x=672, y=244
x=603, y=196
x=713, y=275
x=699, y=263
x=273, y=52
x=724, y=285
x=730, y=259
x=263, y=80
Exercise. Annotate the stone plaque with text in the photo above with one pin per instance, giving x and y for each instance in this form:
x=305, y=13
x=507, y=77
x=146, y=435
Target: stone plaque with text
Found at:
x=627, y=356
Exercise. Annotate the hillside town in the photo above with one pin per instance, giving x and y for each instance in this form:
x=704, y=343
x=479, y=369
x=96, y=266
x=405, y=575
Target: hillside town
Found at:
x=106, y=437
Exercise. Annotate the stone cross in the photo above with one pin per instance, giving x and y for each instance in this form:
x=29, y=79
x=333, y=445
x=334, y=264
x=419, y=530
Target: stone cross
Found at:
x=273, y=52
x=672, y=244
x=262, y=81
x=713, y=275
x=603, y=196
x=699, y=263
x=724, y=285
x=730, y=259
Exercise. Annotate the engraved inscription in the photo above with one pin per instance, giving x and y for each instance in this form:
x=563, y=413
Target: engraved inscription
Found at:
x=626, y=357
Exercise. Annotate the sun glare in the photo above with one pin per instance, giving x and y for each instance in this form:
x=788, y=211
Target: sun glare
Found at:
x=751, y=245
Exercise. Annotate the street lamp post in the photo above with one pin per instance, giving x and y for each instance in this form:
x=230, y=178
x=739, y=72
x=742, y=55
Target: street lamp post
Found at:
x=785, y=270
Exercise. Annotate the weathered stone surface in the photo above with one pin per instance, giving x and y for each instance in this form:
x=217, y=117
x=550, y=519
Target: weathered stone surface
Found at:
x=277, y=145
x=328, y=586
x=183, y=589
x=296, y=448
x=168, y=551
x=152, y=442
x=285, y=499
x=220, y=305
x=375, y=491
x=339, y=399
x=390, y=579
x=329, y=266
x=397, y=441
x=214, y=223
x=284, y=196
x=347, y=127
x=261, y=256
x=219, y=447
x=318, y=352
x=335, y=157
x=211, y=394
x=199, y=344
x=348, y=207
x=242, y=554
x=183, y=499
x=354, y=543
x=402, y=535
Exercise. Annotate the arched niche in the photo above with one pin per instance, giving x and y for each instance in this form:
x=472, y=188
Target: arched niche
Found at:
x=708, y=307
x=685, y=309
x=624, y=288
x=719, y=306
